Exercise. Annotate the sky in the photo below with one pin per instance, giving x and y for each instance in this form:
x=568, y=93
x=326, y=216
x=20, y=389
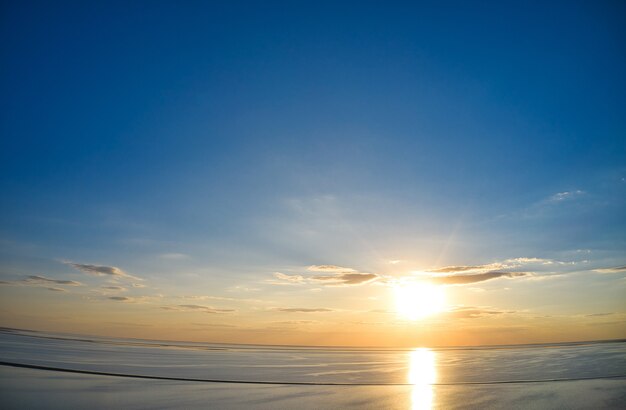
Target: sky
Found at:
x=273, y=172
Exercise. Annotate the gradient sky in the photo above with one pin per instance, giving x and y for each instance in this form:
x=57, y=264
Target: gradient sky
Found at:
x=265, y=172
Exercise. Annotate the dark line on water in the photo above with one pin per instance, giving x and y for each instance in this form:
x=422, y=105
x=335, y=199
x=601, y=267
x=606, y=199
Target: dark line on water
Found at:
x=188, y=379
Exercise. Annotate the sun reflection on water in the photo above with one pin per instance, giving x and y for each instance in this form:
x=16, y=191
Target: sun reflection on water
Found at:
x=422, y=374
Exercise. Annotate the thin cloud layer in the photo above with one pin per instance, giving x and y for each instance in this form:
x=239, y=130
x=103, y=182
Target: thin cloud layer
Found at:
x=566, y=195
x=507, y=264
x=289, y=278
x=197, y=308
x=346, y=279
x=454, y=269
x=329, y=268
x=477, y=268
x=120, y=288
x=471, y=312
x=100, y=270
x=133, y=299
x=476, y=277
x=616, y=269
x=304, y=310
x=334, y=276
x=42, y=280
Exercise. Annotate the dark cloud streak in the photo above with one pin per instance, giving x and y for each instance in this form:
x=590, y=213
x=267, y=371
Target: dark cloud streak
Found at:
x=34, y=279
x=100, y=270
x=474, y=278
x=347, y=278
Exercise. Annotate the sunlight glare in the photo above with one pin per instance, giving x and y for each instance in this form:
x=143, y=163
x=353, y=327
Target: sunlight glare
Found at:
x=418, y=300
x=422, y=374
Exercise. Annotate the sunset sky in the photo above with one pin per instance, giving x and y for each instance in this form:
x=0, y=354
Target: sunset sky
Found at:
x=284, y=172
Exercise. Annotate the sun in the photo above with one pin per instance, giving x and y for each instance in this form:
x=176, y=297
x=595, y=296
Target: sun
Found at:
x=417, y=300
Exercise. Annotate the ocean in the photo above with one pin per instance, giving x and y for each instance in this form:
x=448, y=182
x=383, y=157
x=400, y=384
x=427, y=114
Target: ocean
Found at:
x=62, y=371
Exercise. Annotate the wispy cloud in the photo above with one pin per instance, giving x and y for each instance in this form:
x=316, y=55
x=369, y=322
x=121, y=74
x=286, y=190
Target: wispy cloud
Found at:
x=134, y=299
x=297, y=322
x=346, y=279
x=119, y=288
x=304, y=310
x=500, y=265
x=289, y=278
x=547, y=206
x=474, y=268
x=101, y=270
x=470, y=312
x=565, y=195
x=42, y=280
x=465, y=279
x=616, y=269
x=57, y=289
x=334, y=276
x=197, y=308
x=329, y=268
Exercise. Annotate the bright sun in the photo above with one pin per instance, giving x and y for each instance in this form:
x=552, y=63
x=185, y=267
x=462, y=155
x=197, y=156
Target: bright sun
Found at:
x=418, y=300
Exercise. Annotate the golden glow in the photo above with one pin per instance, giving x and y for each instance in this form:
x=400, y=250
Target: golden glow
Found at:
x=422, y=374
x=418, y=300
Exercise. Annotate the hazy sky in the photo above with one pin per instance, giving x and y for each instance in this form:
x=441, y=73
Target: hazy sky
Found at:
x=267, y=172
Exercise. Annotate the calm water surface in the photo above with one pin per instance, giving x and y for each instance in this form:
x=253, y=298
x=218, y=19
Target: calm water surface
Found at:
x=590, y=375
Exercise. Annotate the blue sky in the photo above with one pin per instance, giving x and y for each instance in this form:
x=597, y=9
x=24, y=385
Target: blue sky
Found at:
x=232, y=141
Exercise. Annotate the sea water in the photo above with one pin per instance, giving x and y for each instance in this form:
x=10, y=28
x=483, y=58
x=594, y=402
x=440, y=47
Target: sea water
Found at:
x=46, y=370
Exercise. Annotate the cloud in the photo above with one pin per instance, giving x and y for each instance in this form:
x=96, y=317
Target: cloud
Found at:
x=42, y=280
x=474, y=312
x=335, y=276
x=120, y=288
x=472, y=268
x=452, y=269
x=616, y=269
x=193, y=306
x=198, y=308
x=464, y=279
x=57, y=289
x=505, y=264
x=346, y=279
x=213, y=325
x=329, y=268
x=303, y=310
x=507, y=268
x=120, y=298
x=566, y=195
x=522, y=261
x=289, y=278
x=100, y=270
x=561, y=202
x=297, y=322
